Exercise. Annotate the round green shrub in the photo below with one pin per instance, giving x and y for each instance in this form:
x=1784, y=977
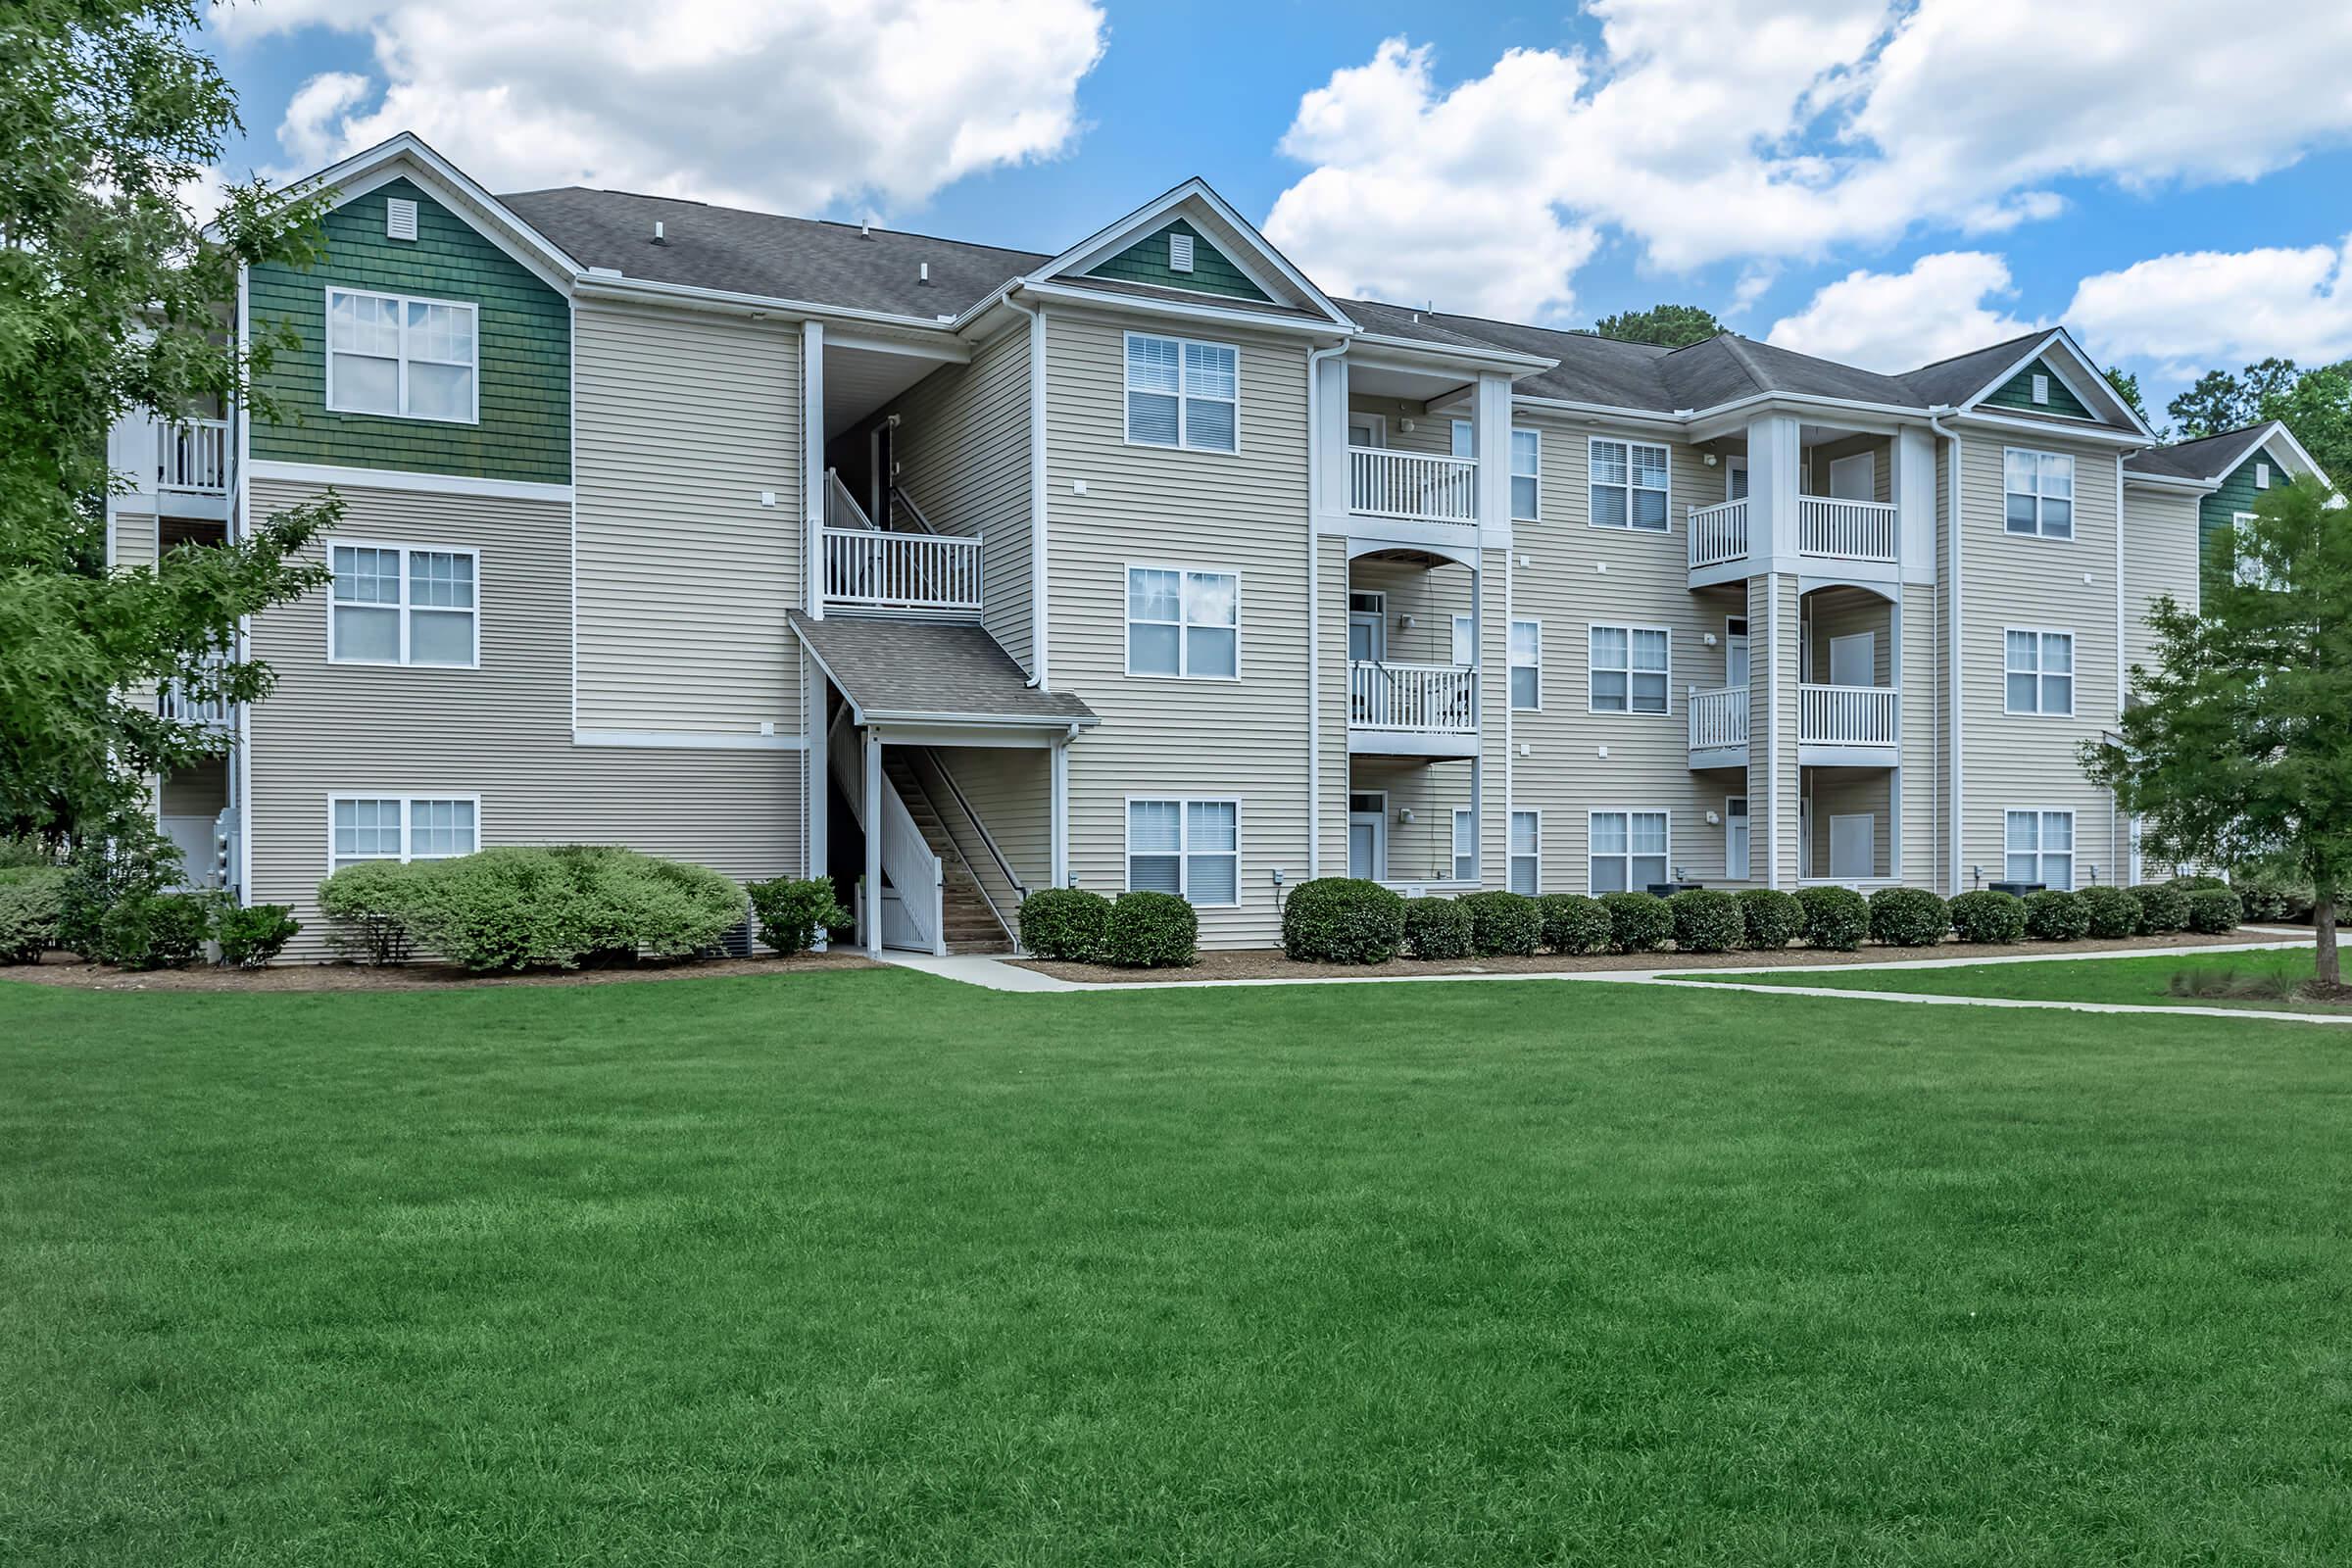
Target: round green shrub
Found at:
x=1707, y=920
x=1836, y=918
x=2163, y=909
x=2197, y=884
x=1342, y=919
x=1986, y=915
x=1065, y=923
x=790, y=912
x=1504, y=924
x=2053, y=916
x=2214, y=910
x=155, y=930
x=1639, y=922
x=363, y=904
x=1574, y=923
x=1438, y=928
x=1773, y=918
x=251, y=937
x=2114, y=912
x=2268, y=898
x=32, y=900
x=1150, y=931
x=1908, y=917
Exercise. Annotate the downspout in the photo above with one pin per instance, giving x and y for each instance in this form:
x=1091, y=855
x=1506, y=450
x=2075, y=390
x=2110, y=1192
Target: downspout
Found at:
x=2114, y=815
x=1952, y=683
x=1036, y=488
x=1315, y=606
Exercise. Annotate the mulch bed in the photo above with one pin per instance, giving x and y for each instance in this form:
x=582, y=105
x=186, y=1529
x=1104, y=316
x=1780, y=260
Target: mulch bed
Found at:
x=1268, y=963
x=65, y=969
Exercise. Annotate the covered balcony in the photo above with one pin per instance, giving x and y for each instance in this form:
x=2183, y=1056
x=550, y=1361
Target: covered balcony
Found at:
x=1828, y=528
x=1839, y=507
x=1412, y=685
x=1845, y=709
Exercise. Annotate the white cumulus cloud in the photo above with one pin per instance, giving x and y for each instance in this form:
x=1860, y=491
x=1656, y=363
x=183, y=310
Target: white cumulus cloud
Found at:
x=2199, y=308
x=1900, y=320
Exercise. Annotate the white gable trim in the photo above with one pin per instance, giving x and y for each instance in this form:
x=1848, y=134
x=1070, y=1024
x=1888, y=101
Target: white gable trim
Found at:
x=1242, y=244
x=2099, y=392
x=2278, y=431
x=405, y=156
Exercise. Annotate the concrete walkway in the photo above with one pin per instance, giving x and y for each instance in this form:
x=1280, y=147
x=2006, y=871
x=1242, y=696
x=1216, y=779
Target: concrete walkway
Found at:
x=996, y=975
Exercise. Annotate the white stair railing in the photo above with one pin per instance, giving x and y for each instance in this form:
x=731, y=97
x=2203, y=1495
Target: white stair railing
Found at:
x=1718, y=718
x=842, y=509
x=1847, y=715
x=1846, y=531
x=1435, y=698
x=1719, y=533
x=1417, y=486
x=192, y=455
x=866, y=570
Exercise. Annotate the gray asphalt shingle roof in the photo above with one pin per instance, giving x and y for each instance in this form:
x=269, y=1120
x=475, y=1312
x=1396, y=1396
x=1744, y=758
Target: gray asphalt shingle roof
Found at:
x=909, y=668
x=1964, y=375
x=2206, y=458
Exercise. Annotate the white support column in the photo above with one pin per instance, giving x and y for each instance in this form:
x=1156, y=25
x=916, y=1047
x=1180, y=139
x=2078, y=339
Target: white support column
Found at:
x=819, y=790
x=1328, y=449
x=1058, y=803
x=1914, y=492
x=1491, y=439
x=812, y=468
x=1902, y=732
x=873, y=782
x=1775, y=456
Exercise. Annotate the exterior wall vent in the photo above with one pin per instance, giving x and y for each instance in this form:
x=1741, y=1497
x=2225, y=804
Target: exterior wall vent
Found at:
x=399, y=218
x=2041, y=389
x=1180, y=253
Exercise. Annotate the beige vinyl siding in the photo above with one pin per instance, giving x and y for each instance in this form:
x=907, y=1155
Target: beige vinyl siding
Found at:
x=1881, y=450
x=1852, y=791
x=2029, y=762
x=1923, y=737
x=502, y=731
x=684, y=576
x=1430, y=595
x=962, y=450
x=198, y=790
x=1845, y=612
x=1332, y=569
x=1011, y=790
x=1244, y=512
x=1422, y=849
x=2160, y=557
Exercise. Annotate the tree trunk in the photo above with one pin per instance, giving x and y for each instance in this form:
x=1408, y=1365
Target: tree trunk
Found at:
x=2323, y=915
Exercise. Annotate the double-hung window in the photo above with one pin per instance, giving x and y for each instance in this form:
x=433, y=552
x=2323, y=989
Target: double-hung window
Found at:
x=401, y=828
x=1465, y=844
x=1628, y=485
x=1183, y=623
x=2039, y=848
x=403, y=605
x=1628, y=850
x=1527, y=851
x=1189, y=848
x=1527, y=664
x=411, y=359
x=1526, y=475
x=1182, y=394
x=2040, y=671
x=2038, y=493
x=1630, y=671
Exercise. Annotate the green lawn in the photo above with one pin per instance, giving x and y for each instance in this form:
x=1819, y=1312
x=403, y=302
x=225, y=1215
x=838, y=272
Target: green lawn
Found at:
x=2142, y=981
x=869, y=1268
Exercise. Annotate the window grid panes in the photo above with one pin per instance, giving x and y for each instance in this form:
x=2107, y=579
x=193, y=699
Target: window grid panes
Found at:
x=1630, y=672
x=1628, y=850
x=397, y=827
x=1183, y=623
x=1191, y=849
x=2039, y=674
x=2041, y=847
x=1527, y=851
x=1527, y=664
x=400, y=357
x=1465, y=844
x=2039, y=493
x=1526, y=475
x=1629, y=486
x=394, y=605
x=1182, y=394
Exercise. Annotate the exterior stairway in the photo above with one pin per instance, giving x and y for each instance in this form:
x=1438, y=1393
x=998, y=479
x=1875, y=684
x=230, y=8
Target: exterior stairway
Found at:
x=970, y=925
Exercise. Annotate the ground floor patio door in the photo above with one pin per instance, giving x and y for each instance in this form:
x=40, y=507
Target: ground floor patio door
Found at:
x=1368, y=836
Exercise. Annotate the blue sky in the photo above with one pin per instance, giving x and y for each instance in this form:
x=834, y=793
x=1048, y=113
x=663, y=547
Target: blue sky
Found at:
x=1882, y=183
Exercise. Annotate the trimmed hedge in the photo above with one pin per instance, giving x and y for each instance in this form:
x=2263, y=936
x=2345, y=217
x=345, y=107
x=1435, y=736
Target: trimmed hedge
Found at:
x=2114, y=912
x=251, y=937
x=2163, y=909
x=2267, y=897
x=1574, y=923
x=1772, y=918
x=155, y=930
x=363, y=904
x=2055, y=915
x=1340, y=919
x=2214, y=910
x=1639, y=922
x=1438, y=928
x=1150, y=931
x=525, y=907
x=789, y=912
x=2197, y=884
x=1836, y=918
x=1707, y=920
x=1065, y=923
x=1985, y=915
x=32, y=900
x=1504, y=924
x=1908, y=917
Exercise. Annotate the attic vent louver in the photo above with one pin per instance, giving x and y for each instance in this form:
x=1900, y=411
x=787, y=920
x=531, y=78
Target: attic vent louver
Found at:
x=1180, y=253
x=399, y=218
x=2041, y=389
x=661, y=232
x=923, y=273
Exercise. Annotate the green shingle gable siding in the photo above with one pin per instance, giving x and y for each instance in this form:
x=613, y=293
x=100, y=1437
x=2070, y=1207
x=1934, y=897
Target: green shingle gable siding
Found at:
x=1147, y=262
x=2018, y=394
x=2217, y=512
x=523, y=357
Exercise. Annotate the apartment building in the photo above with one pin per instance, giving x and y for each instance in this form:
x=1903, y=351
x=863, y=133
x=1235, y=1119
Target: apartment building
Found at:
x=956, y=571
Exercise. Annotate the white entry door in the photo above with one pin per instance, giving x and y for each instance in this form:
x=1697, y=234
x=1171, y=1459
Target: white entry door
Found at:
x=198, y=854
x=1853, y=847
x=1854, y=660
x=1735, y=651
x=1368, y=836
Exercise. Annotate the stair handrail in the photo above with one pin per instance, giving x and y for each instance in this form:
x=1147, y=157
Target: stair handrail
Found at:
x=988, y=841
x=898, y=494
x=841, y=505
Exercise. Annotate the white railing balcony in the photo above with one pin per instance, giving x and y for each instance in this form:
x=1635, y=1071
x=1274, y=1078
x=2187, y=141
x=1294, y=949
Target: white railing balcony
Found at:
x=902, y=573
x=1847, y=715
x=1412, y=485
x=1718, y=534
x=1718, y=718
x=1846, y=531
x=1434, y=699
x=193, y=455
x=172, y=701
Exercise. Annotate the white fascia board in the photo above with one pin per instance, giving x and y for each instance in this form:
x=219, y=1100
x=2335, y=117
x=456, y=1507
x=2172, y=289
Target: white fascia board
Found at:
x=2058, y=337
x=2278, y=431
x=1380, y=350
x=353, y=477
x=2097, y=434
x=1245, y=320
x=2165, y=481
x=624, y=290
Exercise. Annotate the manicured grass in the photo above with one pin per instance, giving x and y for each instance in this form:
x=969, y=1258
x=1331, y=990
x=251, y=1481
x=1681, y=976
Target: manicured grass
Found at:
x=2139, y=981
x=869, y=1268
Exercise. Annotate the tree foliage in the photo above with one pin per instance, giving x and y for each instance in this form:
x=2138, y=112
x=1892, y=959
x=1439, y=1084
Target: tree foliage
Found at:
x=2238, y=752
x=2316, y=405
x=2127, y=387
x=113, y=297
x=1668, y=325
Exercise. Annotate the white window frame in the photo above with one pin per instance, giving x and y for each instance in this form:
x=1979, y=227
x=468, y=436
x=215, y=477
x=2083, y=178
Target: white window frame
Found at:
x=1184, y=642
x=1629, y=711
x=1535, y=857
x=1666, y=527
x=1512, y=665
x=1183, y=442
x=401, y=302
x=409, y=800
x=1629, y=813
x=1465, y=817
x=2042, y=855
x=1466, y=638
x=404, y=606
x=1185, y=853
x=2040, y=530
x=1535, y=438
x=2041, y=670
